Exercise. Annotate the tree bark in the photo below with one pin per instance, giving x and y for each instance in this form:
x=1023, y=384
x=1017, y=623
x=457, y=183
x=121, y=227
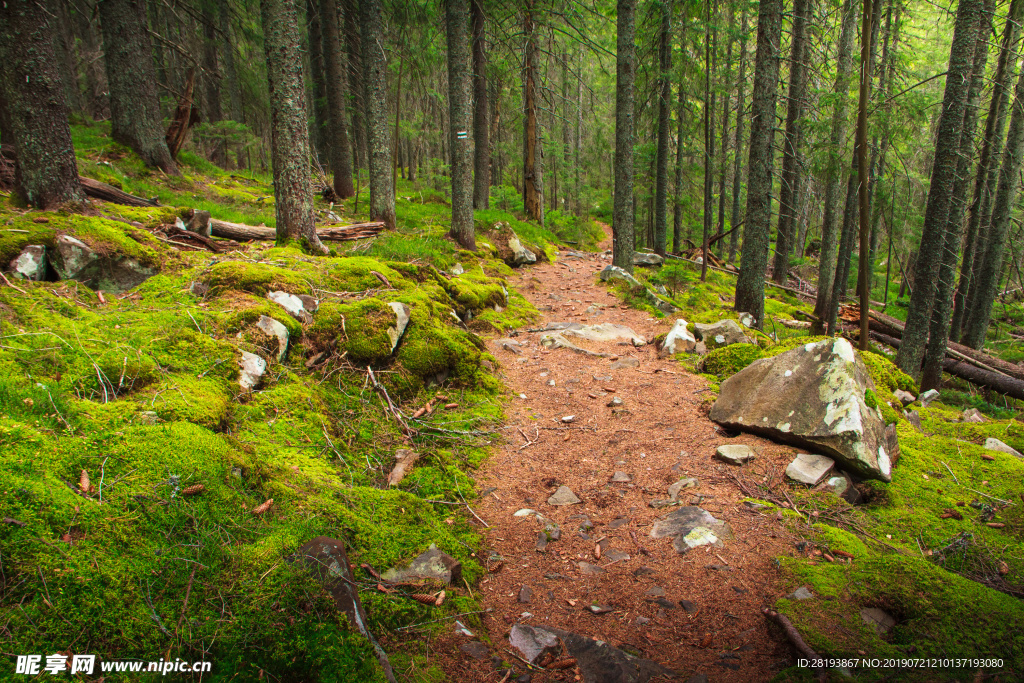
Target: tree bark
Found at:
x=319, y=133
x=991, y=265
x=212, y=82
x=625, y=76
x=723, y=160
x=664, y=121
x=710, y=40
x=135, y=115
x=356, y=87
x=481, y=115
x=34, y=109
x=533, y=183
x=986, y=178
x=789, y=190
x=293, y=195
x=460, y=114
x=846, y=241
x=947, y=148
x=677, y=198
x=754, y=256
x=375, y=99
x=942, y=310
x=230, y=68
x=337, y=99
x=864, y=200
x=737, y=166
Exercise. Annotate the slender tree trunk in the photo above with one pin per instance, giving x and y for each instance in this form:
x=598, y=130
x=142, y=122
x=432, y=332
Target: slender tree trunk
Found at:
x=625, y=75
x=481, y=116
x=356, y=83
x=90, y=53
x=991, y=262
x=942, y=310
x=212, y=80
x=723, y=161
x=754, y=256
x=710, y=40
x=582, y=211
x=788, y=210
x=34, y=111
x=320, y=136
x=936, y=217
x=230, y=68
x=337, y=99
x=460, y=108
x=533, y=194
x=136, y=120
x=382, y=191
x=63, y=43
x=737, y=166
x=848, y=238
x=829, y=228
x=293, y=194
x=864, y=199
x=988, y=166
x=664, y=121
x=677, y=199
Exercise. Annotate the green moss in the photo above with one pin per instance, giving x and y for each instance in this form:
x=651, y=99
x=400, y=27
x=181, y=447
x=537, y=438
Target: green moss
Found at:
x=729, y=360
x=870, y=399
x=255, y=278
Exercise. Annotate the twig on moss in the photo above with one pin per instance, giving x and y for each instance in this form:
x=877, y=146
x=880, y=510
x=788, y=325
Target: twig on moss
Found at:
x=1005, y=502
x=434, y=621
x=8, y=283
x=797, y=640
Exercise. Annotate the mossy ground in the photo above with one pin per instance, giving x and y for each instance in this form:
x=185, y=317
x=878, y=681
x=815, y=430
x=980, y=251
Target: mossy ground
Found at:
x=141, y=393
x=953, y=584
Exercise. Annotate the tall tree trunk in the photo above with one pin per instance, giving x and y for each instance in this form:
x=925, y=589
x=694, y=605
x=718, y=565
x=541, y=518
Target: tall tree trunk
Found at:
x=375, y=99
x=293, y=195
x=737, y=166
x=460, y=108
x=533, y=185
x=481, y=116
x=625, y=76
x=89, y=53
x=34, y=111
x=864, y=200
x=212, y=80
x=788, y=210
x=582, y=211
x=356, y=84
x=337, y=99
x=723, y=161
x=63, y=44
x=848, y=237
x=136, y=120
x=230, y=68
x=664, y=121
x=988, y=166
x=754, y=256
x=936, y=217
x=829, y=225
x=677, y=197
x=320, y=136
x=991, y=264
x=710, y=50
x=942, y=310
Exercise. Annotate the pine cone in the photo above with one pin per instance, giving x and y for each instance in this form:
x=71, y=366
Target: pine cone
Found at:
x=263, y=507
x=439, y=600
x=193, y=490
x=83, y=482
x=425, y=599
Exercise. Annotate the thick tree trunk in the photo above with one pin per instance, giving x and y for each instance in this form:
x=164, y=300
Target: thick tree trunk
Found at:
x=293, y=195
x=460, y=114
x=481, y=115
x=533, y=183
x=737, y=166
x=754, y=257
x=625, y=76
x=788, y=209
x=936, y=217
x=382, y=191
x=664, y=121
x=34, y=110
x=942, y=309
x=988, y=166
x=991, y=266
x=135, y=115
x=337, y=99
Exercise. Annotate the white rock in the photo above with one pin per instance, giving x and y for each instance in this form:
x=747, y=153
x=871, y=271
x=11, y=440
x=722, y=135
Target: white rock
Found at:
x=929, y=396
x=735, y=453
x=251, y=369
x=276, y=329
x=997, y=445
x=401, y=322
x=678, y=340
x=809, y=469
x=30, y=264
x=292, y=304
x=905, y=397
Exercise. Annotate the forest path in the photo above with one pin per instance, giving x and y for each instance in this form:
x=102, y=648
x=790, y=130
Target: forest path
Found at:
x=659, y=435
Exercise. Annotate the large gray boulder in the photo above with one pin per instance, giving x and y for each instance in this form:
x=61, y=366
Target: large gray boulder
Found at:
x=72, y=259
x=813, y=396
x=722, y=333
x=649, y=260
x=30, y=264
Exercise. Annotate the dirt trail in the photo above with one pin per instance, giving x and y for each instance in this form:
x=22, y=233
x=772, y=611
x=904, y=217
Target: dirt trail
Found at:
x=659, y=435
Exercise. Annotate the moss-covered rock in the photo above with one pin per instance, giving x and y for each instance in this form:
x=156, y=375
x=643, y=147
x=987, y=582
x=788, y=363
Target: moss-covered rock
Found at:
x=728, y=360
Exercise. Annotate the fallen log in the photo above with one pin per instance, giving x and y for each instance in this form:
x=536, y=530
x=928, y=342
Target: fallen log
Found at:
x=109, y=193
x=1004, y=384
x=242, y=232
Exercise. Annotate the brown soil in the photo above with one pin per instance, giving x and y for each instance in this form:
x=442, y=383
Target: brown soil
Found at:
x=662, y=435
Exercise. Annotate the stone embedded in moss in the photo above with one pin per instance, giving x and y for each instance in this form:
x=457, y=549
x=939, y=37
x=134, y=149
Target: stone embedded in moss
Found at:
x=272, y=328
x=30, y=264
x=251, y=369
x=72, y=259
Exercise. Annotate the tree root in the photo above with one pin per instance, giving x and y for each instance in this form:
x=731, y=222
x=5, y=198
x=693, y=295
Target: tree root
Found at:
x=797, y=640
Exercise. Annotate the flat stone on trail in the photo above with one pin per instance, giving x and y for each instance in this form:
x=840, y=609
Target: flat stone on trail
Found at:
x=613, y=555
x=624, y=363
x=599, y=662
x=674, y=489
x=809, y=469
x=605, y=332
x=993, y=444
x=722, y=333
x=591, y=569
x=431, y=564
x=476, y=650
x=655, y=592
x=615, y=402
x=622, y=477
x=563, y=496
x=692, y=527
x=533, y=643
x=735, y=453
x=556, y=340
x=813, y=396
